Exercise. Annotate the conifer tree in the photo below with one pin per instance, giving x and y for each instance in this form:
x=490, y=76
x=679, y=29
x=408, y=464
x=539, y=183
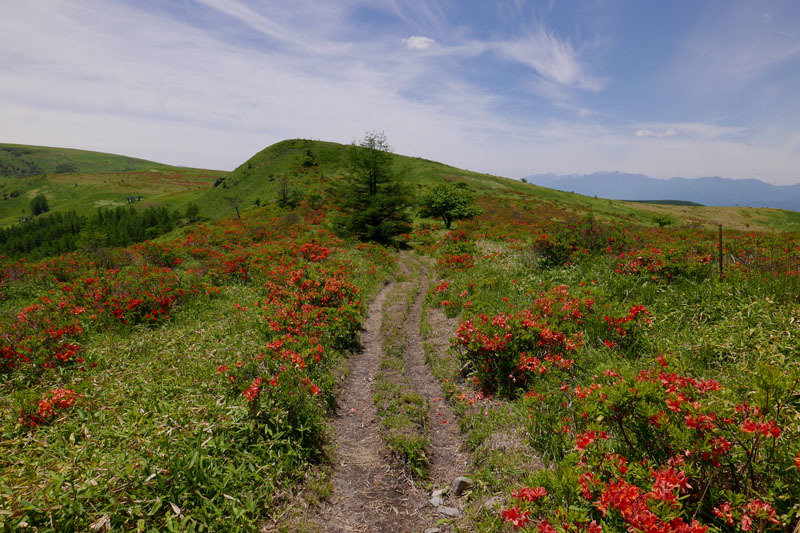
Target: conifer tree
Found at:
x=373, y=200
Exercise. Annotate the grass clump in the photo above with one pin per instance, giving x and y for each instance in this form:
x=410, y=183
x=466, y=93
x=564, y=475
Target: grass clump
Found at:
x=403, y=412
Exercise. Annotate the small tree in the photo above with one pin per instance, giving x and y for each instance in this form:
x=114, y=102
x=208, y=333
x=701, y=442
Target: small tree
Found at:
x=192, y=211
x=373, y=200
x=234, y=201
x=662, y=220
x=449, y=203
x=39, y=205
x=287, y=196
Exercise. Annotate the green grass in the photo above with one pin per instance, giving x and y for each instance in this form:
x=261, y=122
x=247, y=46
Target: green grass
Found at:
x=86, y=192
x=154, y=426
x=403, y=412
x=18, y=160
x=82, y=180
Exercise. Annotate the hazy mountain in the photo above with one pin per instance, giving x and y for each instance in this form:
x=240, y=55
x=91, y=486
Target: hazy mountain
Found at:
x=706, y=191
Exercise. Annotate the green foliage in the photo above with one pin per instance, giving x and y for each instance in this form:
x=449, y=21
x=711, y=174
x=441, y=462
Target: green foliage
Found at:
x=373, y=200
x=66, y=168
x=662, y=220
x=192, y=211
x=39, y=205
x=46, y=235
x=449, y=203
x=65, y=232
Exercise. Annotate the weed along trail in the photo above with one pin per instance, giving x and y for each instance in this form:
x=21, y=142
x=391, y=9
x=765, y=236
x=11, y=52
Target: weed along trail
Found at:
x=394, y=436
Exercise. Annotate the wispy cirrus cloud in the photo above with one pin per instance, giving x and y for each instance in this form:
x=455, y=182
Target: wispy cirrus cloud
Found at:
x=556, y=60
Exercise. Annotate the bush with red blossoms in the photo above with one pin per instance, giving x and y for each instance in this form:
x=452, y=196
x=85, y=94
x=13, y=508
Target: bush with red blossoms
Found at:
x=49, y=407
x=661, y=450
x=511, y=351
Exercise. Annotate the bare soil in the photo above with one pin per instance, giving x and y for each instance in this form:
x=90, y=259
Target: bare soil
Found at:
x=448, y=459
x=371, y=492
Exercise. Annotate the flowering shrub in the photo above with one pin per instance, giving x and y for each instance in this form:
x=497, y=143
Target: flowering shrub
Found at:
x=658, y=450
x=511, y=351
x=670, y=265
x=457, y=262
x=45, y=410
x=42, y=336
x=626, y=331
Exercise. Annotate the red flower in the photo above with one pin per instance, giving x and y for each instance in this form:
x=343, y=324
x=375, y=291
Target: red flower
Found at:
x=545, y=527
x=724, y=511
x=517, y=518
x=585, y=439
x=529, y=493
x=252, y=392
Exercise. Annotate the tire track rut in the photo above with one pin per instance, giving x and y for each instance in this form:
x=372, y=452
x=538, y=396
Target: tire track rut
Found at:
x=370, y=492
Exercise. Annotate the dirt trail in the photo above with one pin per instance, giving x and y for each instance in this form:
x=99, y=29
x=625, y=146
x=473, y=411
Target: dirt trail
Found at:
x=447, y=459
x=367, y=494
x=370, y=494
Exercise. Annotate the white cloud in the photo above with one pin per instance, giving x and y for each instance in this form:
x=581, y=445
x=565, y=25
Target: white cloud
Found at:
x=554, y=59
x=419, y=43
x=646, y=132
x=696, y=130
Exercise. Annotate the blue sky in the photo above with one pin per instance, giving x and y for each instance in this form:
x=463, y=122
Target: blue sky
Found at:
x=678, y=88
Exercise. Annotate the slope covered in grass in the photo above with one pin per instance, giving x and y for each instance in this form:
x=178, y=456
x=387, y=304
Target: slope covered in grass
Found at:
x=86, y=192
x=19, y=160
x=312, y=168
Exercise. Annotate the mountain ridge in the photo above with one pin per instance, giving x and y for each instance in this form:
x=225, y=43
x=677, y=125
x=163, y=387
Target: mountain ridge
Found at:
x=711, y=190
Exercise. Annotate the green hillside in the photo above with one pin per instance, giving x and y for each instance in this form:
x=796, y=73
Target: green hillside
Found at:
x=307, y=167
x=312, y=167
x=86, y=192
x=84, y=181
x=147, y=199
x=19, y=160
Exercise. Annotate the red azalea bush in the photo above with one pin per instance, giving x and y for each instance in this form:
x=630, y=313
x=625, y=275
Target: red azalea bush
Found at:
x=665, y=265
x=511, y=351
x=660, y=450
x=52, y=403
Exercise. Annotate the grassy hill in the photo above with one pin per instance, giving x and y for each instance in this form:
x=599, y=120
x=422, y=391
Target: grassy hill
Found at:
x=83, y=181
x=311, y=167
x=19, y=160
x=85, y=192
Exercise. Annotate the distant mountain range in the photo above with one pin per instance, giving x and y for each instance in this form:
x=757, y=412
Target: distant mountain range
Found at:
x=706, y=191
